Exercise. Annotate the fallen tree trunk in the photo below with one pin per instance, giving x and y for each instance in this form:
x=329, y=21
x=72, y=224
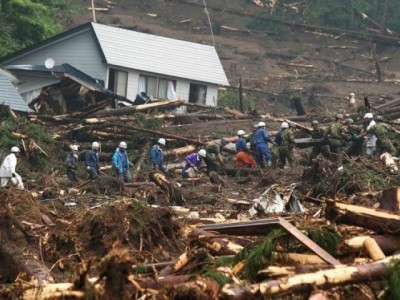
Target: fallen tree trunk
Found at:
x=388, y=243
x=320, y=279
x=139, y=108
x=160, y=134
x=180, y=151
x=173, y=193
x=214, y=242
x=379, y=221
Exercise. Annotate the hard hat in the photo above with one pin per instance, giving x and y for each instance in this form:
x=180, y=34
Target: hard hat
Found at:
x=202, y=153
x=352, y=94
x=339, y=116
x=240, y=132
x=285, y=125
x=314, y=122
x=349, y=121
x=161, y=141
x=15, y=149
x=261, y=124
x=368, y=116
x=74, y=147
x=95, y=145
x=123, y=145
x=14, y=181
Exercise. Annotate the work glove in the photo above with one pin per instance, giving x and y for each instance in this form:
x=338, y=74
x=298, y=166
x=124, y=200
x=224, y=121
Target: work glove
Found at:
x=13, y=175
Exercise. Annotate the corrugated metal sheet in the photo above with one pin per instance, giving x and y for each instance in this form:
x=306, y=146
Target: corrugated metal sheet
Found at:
x=160, y=55
x=9, y=96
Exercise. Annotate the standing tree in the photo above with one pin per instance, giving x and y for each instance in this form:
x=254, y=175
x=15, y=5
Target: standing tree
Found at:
x=23, y=23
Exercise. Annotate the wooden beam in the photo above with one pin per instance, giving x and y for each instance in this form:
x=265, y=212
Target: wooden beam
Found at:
x=308, y=243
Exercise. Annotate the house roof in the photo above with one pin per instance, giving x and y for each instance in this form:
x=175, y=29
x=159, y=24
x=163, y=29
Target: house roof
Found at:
x=9, y=96
x=64, y=70
x=161, y=55
x=147, y=52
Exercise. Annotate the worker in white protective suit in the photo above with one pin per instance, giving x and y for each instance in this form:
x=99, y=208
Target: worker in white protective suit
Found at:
x=7, y=170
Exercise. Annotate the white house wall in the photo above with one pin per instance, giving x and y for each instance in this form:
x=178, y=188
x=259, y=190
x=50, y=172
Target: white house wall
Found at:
x=182, y=87
x=79, y=50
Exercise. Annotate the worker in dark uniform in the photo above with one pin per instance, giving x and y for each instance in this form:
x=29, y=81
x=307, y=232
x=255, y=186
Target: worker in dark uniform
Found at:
x=318, y=133
x=335, y=135
x=354, y=139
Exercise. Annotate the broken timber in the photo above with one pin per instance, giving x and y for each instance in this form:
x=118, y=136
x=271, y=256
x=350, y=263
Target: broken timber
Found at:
x=174, y=195
x=256, y=227
x=380, y=221
x=307, y=242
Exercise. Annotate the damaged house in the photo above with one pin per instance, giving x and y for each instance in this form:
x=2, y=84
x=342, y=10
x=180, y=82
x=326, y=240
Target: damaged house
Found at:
x=130, y=63
x=9, y=95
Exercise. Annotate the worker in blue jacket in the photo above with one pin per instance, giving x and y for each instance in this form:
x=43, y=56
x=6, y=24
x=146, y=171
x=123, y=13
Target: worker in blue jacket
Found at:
x=157, y=156
x=120, y=161
x=92, y=161
x=261, y=139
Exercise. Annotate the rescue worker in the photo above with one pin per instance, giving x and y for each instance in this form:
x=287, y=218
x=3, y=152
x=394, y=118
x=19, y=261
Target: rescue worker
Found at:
x=121, y=163
x=382, y=132
x=369, y=135
x=214, y=159
x=7, y=170
x=243, y=158
x=285, y=142
x=72, y=163
x=334, y=135
x=318, y=133
x=192, y=164
x=157, y=156
x=92, y=162
x=354, y=140
x=261, y=139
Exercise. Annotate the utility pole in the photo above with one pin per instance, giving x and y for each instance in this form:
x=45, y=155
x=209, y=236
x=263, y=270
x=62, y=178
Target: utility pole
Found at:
x=241, y=95
x=93, y=12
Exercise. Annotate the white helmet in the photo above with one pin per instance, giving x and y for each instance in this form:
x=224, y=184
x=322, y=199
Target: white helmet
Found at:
x=261, y=124
x=240, y=132
x=123, y=145
x=285, y=125
x=161, y=141
x=74, y=147
x=368, y=116
x=95, y=145
x=202, y=152
x=15, y=149
x=352, y=94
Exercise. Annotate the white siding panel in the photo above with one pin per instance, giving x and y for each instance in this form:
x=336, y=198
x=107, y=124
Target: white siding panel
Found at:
x=212, y=95
x=80, y=51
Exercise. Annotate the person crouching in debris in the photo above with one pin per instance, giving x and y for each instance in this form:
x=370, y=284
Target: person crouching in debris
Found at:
x=213, y=159
x=72, y=163
x=92, y=161
x=7, y=170
x=192, y=164
x=120, y=161
x=261, y=139
x=157, y=156
x=243, y=159
x=285, y=141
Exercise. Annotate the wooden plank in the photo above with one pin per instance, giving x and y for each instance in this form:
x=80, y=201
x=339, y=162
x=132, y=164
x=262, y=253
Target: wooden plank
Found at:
x=253, y=227
x=307, y=242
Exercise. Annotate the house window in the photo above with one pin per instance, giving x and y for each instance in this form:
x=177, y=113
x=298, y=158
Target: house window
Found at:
x=156, y=87
x=118, y=81
x=197, y=93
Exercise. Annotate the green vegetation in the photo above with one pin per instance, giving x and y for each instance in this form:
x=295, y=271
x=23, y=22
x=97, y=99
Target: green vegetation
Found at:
x=392, y=280
x=326, y=238
x=260, y=255
x=26, y=22
x=230, y=98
